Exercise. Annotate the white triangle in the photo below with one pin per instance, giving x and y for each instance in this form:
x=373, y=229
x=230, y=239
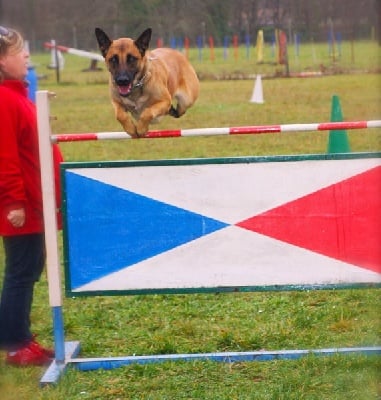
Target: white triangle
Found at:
x=257, y=96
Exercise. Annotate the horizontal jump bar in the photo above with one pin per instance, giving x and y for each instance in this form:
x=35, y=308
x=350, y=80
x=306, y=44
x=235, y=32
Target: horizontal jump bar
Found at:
x=239, y=130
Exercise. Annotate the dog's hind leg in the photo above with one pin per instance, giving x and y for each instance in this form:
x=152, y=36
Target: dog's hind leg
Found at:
x=173, y=112
x=184, y=101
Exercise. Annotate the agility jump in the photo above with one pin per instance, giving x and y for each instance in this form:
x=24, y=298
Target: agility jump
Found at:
x=217, y=219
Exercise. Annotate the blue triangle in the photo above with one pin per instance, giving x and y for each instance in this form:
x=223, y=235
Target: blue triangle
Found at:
x=109, y=228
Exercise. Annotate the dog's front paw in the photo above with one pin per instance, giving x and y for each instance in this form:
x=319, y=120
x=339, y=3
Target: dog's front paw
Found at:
x=134, y=135
x=141, y=130
x=131, y=130
x=141, y=135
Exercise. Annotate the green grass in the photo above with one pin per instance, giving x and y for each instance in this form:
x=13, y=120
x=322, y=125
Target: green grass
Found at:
x=214, y=381
x=227, y=104
x=359, y=57
x=156, y=324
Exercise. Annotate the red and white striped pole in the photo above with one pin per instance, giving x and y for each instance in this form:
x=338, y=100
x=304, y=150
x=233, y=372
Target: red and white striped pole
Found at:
x=239, y=130
x=76, y=52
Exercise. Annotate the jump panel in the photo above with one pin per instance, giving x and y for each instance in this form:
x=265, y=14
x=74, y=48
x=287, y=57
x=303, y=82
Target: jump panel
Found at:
x=227, y=224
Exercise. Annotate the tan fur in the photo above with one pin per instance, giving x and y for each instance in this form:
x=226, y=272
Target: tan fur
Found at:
x=157, y=78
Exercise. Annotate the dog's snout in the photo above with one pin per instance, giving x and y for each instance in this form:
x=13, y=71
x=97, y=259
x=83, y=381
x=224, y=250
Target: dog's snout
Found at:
x=123, y=80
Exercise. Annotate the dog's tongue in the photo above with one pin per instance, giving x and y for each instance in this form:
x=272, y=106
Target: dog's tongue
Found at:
x=124, y=90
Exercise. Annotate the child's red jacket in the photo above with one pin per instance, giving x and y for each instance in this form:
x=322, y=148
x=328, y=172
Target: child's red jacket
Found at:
x=20, y=180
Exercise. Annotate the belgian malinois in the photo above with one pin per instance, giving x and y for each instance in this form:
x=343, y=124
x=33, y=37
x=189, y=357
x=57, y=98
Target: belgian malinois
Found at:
x=144, y=84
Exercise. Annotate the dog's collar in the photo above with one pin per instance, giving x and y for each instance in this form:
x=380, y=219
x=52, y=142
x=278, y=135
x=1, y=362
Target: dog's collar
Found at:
x=140, y=82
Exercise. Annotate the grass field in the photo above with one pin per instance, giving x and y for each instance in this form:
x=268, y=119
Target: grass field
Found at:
x=159, y=324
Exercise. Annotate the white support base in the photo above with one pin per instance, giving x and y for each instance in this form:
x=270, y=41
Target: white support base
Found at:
x=55, y=370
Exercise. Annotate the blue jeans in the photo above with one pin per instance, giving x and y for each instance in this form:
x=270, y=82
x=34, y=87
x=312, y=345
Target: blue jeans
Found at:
x=24, y=262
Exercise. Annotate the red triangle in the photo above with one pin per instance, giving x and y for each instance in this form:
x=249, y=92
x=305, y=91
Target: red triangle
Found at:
x=342, y=221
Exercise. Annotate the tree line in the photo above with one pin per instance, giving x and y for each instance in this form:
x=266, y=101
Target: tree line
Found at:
x=72, y=22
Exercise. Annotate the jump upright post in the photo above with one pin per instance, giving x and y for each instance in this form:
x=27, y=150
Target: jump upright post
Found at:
x=209, y=207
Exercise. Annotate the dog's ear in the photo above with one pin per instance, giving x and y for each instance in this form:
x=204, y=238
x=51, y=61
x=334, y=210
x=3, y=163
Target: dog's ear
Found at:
x=142, y=42
x=104, y=42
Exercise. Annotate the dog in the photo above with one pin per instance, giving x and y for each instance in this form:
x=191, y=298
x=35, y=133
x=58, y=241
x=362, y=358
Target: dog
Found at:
x=145, y=84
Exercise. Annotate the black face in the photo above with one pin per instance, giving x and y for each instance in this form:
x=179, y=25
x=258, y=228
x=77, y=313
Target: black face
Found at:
x=124, y=58
x=123, y=72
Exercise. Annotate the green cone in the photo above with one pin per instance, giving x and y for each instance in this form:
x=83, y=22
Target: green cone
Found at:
x=338, y=140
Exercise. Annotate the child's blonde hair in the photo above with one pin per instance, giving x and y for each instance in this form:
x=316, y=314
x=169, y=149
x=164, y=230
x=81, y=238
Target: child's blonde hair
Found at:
x=11, y=41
